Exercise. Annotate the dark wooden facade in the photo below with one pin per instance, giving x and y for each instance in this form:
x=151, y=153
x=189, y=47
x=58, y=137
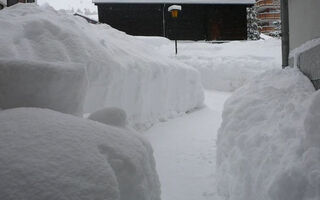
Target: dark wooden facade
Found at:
x=195, y=22
x=12, y=2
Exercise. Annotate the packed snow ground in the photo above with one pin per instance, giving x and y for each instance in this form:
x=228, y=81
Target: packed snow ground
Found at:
x=185, y=151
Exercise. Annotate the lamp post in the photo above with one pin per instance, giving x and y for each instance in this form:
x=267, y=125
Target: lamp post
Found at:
x=174, y=9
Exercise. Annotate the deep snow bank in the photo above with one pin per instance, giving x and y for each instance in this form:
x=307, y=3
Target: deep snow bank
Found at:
x=123, y=71
x=110, y=116
x=227, y=66
x=58, y=86
x=49, y=155
x=269, y=141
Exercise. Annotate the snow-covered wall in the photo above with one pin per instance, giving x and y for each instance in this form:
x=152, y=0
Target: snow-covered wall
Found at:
x=307, y=58
x=123, y=71
x=304, y=37
x=303, y=21
x=269, y=141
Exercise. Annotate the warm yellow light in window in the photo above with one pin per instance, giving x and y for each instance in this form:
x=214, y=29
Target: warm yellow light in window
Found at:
x=174, y=13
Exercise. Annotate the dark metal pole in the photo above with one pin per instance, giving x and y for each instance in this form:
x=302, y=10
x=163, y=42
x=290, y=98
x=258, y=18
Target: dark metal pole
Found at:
x=176, y=43
x=164, y=20
x=285, y=32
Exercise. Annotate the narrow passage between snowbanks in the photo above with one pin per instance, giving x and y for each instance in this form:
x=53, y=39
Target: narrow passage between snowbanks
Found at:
x=185, y=151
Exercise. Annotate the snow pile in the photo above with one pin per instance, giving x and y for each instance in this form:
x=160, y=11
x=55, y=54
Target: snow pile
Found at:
x=110, y=116
x=49, y=155
x=58, y=86
x=269, y=141
x=227, y=66
x=123, y=71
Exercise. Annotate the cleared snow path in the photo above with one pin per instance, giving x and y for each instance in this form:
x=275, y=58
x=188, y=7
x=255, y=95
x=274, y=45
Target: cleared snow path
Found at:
x=185, y=151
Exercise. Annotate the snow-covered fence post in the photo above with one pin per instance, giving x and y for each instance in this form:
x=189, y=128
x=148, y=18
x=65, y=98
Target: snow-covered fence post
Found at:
x=174, y=9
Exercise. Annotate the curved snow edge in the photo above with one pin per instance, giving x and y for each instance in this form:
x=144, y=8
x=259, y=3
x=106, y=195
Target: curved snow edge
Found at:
x=28, y=83
x=269, y=142
x=50, y=155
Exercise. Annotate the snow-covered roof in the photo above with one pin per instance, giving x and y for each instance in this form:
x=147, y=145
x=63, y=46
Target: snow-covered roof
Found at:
x=174, y=7
x=179, y=1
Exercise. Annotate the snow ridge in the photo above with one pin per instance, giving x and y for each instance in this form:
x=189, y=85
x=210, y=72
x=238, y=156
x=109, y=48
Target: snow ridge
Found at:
x=49, y=155
x=122, y=71
x=268, y=143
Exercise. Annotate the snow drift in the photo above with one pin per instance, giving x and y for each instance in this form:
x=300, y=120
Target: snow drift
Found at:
x=269, y=141
x=226, y=66
x=110, y=116
x=123, y=71
x=49, y=155
x=58, y=86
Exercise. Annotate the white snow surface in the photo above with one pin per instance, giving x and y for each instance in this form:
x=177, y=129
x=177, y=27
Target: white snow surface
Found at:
x=49, y=155
x=54, y=85
x=70, y=4
x=122, y=71
x=174, y=7
x=226, y=66
x=269, y=144
x=179, y=1
x=185, y=151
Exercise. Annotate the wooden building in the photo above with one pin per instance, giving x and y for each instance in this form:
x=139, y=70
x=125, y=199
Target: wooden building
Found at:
x=198, y=20
x=268, y=13
x=12, y=2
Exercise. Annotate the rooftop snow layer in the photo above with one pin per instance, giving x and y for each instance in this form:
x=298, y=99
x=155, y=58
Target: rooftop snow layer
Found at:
x=179, y=1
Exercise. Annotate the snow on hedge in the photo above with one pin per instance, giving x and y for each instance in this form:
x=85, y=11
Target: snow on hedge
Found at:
x=269, y=141
x=123, y=71
x=49, y=155
x=110, y=116
x=27, y=83
x=226, y=66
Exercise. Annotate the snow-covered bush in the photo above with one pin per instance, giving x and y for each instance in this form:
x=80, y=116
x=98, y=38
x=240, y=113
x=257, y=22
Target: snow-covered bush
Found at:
x=110, y=116
x=277, y=32
x=123, y=71
x=28, y=83
x=253, y=29
x=269, y=141
x=49, y=155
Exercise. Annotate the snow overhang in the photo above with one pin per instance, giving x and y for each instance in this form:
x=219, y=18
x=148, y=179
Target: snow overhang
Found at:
x=174, y=7
x=246, y=2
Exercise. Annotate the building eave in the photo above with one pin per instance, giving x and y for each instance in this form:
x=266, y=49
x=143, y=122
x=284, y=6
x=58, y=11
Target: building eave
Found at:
x=234, y=2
